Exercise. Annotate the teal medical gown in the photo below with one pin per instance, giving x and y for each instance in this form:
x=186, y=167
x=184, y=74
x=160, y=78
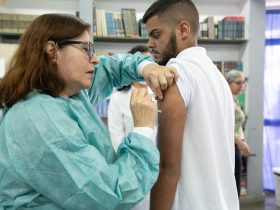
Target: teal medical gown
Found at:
x=56, y=153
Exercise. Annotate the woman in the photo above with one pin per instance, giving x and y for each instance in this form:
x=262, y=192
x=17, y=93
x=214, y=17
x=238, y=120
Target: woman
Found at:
x=236, y=81
x=120, y=120
x=55, y=152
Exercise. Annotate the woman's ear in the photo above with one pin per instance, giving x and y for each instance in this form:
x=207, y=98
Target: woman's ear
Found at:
x=50, y=47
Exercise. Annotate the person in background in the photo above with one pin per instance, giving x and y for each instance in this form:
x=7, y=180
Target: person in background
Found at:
x=55, y=152
x=237, y=81
x=196, y=124
x=120, y=120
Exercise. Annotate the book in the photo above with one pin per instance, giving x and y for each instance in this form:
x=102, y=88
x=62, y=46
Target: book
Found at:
x=203, y=30
x=130, y=23
x=142, y=30
x=8, y=23
x=101, y=22
x=210, y=27
x=23, y=21
x=233, y=27
x=94, y=26
x=119, y=27
x=110, y=24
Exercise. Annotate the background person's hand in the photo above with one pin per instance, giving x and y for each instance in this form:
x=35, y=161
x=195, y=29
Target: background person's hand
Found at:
x=143, y=108
x=244, y=148
x=159, y=78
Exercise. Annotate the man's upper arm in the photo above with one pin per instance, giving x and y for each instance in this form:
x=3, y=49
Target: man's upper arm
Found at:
x=171, y=128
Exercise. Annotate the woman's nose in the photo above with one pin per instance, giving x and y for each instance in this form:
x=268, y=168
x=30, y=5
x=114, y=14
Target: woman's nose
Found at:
x=94, y=59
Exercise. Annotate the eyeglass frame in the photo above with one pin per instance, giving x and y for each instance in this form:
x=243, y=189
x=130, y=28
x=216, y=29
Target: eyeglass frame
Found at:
x=90, y=48
x=244, y=83
x=240, y=83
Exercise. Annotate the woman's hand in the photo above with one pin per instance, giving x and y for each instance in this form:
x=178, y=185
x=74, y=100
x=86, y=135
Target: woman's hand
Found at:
x=159, y=78
x=143, y=108
x=243, y=147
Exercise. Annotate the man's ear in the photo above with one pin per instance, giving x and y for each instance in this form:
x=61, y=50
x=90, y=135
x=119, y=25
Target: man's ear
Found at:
x=184, y=29
x=51, y=48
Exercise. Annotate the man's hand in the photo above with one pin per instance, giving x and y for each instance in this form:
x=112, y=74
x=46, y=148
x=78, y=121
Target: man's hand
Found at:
x=159, y=78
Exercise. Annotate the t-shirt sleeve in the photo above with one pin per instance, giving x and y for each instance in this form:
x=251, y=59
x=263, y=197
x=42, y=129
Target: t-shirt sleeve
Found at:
x=184, y=83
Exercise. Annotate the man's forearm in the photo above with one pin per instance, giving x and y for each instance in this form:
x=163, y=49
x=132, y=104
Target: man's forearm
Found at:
x=163, y=192
x=169, y=141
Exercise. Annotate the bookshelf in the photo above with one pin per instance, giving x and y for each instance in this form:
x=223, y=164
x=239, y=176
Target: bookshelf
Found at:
x=9, y=37
x=145, y=40
x=249, y=50
x=16, y=36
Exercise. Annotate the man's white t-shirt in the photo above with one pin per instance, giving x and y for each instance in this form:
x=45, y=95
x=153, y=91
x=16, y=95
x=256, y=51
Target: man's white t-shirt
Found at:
x=207, y=176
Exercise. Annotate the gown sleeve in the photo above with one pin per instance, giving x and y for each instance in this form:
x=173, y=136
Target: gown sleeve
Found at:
x=50, y=153
x=115, y=71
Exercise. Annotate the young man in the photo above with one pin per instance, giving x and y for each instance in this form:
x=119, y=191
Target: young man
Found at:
x=196, y=126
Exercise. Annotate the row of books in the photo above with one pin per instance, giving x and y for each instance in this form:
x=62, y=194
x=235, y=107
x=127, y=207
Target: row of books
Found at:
x=125, y=24
x=118, y=23
x=229, y=28
x=225, y=66
x=15, y=23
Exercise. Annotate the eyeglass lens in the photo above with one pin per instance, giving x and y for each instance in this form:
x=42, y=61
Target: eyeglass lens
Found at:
x=240, y=82
x=90, y=50
x=88, y=45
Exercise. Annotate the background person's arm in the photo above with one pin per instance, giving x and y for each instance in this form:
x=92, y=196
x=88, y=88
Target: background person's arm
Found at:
x=170, y=140
x=116, y=121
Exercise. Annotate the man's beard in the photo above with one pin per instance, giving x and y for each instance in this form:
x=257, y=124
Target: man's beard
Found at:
x=170, y=51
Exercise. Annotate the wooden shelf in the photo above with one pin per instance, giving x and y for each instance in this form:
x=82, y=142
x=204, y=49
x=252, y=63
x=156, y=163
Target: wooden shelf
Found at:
x=7, y=35
x=217, y=41
x=120, y=39
x=145, y=40
x=16, y=36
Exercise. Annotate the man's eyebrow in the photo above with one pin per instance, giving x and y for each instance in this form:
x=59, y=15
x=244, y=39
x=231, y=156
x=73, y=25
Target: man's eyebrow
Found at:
x=153, y=31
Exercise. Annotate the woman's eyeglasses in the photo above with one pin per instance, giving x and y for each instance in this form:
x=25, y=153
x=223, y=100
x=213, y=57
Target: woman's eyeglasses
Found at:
x=87, y=45
x=240, y=83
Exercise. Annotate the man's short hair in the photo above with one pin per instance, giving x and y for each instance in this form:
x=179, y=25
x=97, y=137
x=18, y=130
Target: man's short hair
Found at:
x=173, y=11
